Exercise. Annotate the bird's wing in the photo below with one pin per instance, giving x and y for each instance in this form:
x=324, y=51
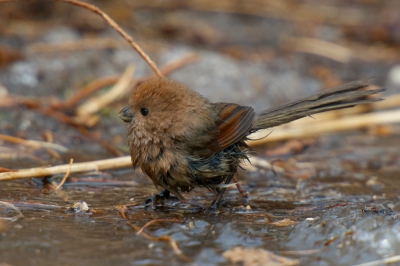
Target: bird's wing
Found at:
x=234, y=124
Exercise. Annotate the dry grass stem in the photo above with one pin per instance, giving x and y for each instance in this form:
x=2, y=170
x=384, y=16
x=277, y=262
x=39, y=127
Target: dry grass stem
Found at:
x=157, y=221
x=342, y=53
x=100, y=165
x=71, y=161
x=76, y=45
x=17, y=154
x=121, y=210
x=320, y=47
x=260, y=162
x=300, y=252
x=240, y=188
x=33, y=143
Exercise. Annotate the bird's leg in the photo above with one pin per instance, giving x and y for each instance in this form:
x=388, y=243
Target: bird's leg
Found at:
x=240, y=188
x=217, y=201
x=159, y=198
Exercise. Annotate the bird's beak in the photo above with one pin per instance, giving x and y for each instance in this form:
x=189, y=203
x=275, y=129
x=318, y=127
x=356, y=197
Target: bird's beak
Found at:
x=126, y=115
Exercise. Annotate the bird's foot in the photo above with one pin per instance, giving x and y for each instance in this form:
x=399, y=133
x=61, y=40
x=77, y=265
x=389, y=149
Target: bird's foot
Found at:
x=159, y=199
x=216, y=204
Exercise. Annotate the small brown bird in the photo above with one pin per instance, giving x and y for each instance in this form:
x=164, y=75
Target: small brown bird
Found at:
x=182, y=141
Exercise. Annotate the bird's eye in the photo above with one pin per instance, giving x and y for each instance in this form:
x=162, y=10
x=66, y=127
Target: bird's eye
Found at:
x=144, y=111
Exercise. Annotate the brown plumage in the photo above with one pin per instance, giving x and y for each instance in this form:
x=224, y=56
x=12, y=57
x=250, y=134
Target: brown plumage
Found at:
x=182, y=141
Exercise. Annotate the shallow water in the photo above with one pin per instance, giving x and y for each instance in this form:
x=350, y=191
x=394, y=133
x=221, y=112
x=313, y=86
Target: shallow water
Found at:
x=339, y=216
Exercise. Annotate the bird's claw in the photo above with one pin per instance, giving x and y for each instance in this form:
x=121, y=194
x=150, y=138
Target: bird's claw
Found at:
x=157, y=199
x=215, y=205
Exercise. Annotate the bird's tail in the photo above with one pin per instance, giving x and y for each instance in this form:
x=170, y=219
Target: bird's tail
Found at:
x=344, y=96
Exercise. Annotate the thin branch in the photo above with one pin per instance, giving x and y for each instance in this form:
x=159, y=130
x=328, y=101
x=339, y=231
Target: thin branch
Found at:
x=180, y=62
x=33, y=143
x=157, y=221
x=115, y=163
x=165, y=238
x=320, y=47
x=71, y=161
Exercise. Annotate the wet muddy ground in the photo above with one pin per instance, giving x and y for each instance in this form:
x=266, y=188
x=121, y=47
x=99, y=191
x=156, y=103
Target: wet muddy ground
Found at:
x=345, y=214
x=336, y=203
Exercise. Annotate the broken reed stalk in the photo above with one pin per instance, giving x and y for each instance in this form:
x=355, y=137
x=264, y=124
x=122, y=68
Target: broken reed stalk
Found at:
x=110, y=22
x=108, y=164
x=33, y=143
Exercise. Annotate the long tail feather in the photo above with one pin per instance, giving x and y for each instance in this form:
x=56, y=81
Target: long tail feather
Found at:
x=344, y=96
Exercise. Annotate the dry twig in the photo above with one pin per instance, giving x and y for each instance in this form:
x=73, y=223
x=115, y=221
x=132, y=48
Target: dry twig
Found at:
x=33, y=143
x=320, y=47
x=174, y=65
x=157, y=221
x=76, y=45
x=165, y=238
x=115, y=163
x=71, y=161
